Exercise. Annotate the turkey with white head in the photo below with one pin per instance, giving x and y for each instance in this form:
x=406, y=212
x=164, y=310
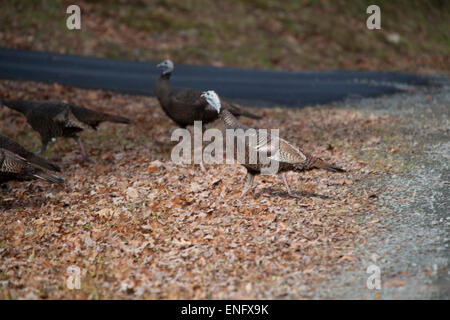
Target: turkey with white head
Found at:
x=285, y=155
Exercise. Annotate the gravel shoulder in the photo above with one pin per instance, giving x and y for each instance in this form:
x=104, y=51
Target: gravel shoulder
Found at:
x=411, y=246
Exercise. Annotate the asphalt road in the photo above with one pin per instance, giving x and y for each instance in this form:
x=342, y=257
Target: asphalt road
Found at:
x=252, y=87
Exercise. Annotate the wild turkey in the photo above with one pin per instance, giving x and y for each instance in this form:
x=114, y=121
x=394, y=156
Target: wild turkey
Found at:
x=54, y=119
x=17, y=163
x=287, y=156
x=184, y=105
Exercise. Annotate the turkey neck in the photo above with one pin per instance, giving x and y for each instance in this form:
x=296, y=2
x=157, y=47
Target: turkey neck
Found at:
x=229, y=120
x=162, y=86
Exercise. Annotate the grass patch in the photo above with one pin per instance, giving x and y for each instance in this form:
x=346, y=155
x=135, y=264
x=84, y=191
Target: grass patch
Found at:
x=327, y=34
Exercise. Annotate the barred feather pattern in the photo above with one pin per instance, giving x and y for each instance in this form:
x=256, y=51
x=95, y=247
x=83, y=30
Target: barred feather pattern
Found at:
x=9, y=144
x=14, y=167
x=289, y=157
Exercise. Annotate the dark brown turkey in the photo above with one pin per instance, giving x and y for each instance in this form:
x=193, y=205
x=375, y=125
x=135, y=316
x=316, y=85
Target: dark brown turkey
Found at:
x=54, y=119
x=17, y=163
x=280, y=152
x=184, y=106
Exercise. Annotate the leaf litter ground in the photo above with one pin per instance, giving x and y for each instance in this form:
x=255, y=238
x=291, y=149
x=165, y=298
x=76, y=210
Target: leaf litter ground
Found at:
x=140, y=226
